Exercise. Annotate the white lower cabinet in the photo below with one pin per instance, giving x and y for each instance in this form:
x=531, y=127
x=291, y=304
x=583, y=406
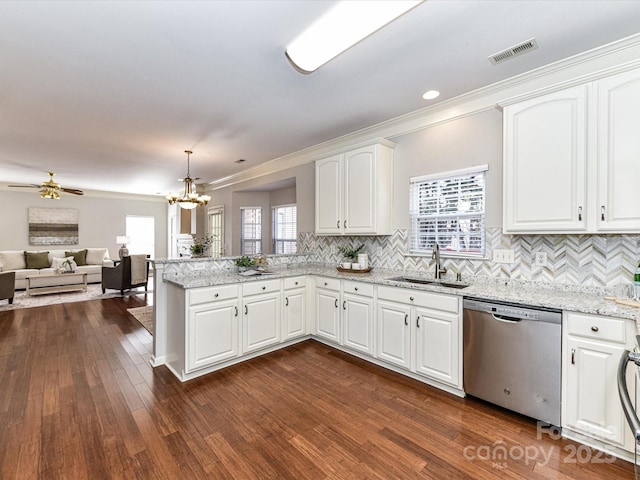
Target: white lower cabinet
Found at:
x=328, y=308
x=438, y=345
x=294, y=322
x=394, y=333
x=212, y=326
x=592, y=349
x=358, y=316
x=261, y=315
x=421, y=331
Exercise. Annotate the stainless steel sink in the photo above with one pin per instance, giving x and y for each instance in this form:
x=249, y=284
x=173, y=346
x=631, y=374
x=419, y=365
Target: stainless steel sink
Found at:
x=424, y=281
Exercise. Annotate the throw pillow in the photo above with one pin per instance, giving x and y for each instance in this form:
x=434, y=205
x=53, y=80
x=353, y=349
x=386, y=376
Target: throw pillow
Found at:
x=12, y=260
x=80, y=256
x=37, y=259
x=95, y=256
x=56, y=262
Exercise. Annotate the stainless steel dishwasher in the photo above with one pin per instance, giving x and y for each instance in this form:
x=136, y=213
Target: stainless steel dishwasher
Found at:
x=512, y=357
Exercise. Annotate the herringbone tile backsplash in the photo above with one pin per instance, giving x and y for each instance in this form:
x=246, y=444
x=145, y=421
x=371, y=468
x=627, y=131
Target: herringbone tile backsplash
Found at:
x=594, y=260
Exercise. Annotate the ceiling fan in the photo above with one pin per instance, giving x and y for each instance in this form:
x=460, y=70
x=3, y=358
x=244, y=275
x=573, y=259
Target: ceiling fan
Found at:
x=51, y=189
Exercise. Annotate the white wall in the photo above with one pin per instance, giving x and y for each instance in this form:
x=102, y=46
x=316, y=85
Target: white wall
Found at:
x=461, y=143
x=101, y=219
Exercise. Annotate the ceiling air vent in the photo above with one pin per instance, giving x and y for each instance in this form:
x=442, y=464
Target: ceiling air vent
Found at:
x=514, y=51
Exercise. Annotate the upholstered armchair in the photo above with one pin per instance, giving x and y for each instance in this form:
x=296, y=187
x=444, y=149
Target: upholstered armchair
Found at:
x=131, y=272
x=7, y=286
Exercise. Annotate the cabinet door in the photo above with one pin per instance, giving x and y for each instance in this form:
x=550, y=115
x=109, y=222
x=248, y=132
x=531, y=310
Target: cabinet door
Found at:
x=437, y=345
x=359, y=191
x=592, y=403
x=293, y=318
x=329, y=195
x=212, y=334
x=545, y=163
x=358, y=322
x=261, y=321
x=394, y=333
x=618, y=153
x=328, y=314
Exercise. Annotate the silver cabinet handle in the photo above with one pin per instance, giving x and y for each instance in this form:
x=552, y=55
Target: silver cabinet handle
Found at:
x=345, y=224
x=356, y=289
x=338, y=224
x=344, y=305
x=594, y=328
x=602, y=212
x=216, y=295
x=406, y=318
x=573, y=356
x=236, y=311
x=336, y=303
x=411, y=298
x=246, y=310
x=418, y=321
x=296, y=283
x=579, y=214
x=286, y=302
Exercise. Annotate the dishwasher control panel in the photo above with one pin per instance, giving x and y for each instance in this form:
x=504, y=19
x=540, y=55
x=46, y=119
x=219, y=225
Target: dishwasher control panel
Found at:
x=520, y=312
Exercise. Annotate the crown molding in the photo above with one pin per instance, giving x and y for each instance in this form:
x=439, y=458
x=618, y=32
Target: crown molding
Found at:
x=615, y=57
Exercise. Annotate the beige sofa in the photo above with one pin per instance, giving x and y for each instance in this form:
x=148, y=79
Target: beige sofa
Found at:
x=32, y=262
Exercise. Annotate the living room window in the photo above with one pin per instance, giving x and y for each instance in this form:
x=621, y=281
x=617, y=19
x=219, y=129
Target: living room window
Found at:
x=251, y=230
x=141, y=233
x=284, y=229
x=449, y=209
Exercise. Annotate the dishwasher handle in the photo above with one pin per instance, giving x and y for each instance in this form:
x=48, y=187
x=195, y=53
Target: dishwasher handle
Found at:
x=505, y=318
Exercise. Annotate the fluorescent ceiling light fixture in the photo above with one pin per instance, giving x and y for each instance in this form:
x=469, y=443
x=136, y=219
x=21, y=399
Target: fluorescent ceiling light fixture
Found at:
x=343, y=26
x=431, y=94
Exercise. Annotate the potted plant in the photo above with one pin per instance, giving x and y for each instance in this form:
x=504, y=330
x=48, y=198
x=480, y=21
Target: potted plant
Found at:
x=350, y=253
x=201, y=245
x=243, y=263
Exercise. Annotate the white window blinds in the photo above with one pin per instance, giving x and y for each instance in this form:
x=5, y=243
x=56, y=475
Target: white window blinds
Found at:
x=251, y=231
x=284, y=229
x=449, y=209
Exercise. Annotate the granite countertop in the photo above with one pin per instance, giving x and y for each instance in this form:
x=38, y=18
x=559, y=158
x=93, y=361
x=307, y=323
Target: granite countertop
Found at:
x=563, y=297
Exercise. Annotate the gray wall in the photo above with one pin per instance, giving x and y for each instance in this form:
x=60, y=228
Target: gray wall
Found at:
x=101, y=219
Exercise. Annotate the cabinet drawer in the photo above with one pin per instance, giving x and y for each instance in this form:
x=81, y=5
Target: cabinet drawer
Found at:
x=437, y=301
x=261, y=286
x=211, y=294
x=294, y=282
x=358, y=288
x=592, y=326
x=328, y=283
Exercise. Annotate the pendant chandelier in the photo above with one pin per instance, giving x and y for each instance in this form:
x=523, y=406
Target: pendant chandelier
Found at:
x=190, y=199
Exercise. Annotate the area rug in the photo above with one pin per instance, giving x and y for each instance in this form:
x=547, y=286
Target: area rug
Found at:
x=94, y=292
x=144, y=315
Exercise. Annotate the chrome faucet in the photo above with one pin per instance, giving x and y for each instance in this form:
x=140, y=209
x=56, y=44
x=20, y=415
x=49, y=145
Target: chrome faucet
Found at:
x=440, y=270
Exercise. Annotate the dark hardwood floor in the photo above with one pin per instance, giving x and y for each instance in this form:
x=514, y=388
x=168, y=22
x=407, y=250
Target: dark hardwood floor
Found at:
x=79, y=400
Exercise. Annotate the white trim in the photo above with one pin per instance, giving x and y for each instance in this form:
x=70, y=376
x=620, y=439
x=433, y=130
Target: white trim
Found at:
x=451, y=174
x=608, y=59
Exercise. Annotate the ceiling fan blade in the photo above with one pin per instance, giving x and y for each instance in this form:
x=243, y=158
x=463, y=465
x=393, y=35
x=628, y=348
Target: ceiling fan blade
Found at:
x=73, y=191
x=30, y=185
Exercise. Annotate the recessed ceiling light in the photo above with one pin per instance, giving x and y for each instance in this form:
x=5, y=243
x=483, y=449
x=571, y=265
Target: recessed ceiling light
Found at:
x=431, y=94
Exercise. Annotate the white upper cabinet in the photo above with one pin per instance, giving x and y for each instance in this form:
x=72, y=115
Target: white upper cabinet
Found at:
x=618, y=205
x=354, y=192
x=572, y=159
x=545, y=163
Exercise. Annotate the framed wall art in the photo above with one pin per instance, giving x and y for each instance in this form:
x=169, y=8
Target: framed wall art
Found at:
x=53, y=226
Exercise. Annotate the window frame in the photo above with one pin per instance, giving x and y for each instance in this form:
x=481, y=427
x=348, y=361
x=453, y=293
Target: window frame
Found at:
x=257, y=241
x=284, y=241
x=475, y=216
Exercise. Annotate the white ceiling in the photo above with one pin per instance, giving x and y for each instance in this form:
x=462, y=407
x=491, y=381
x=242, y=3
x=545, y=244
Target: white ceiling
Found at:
x=109, y=94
